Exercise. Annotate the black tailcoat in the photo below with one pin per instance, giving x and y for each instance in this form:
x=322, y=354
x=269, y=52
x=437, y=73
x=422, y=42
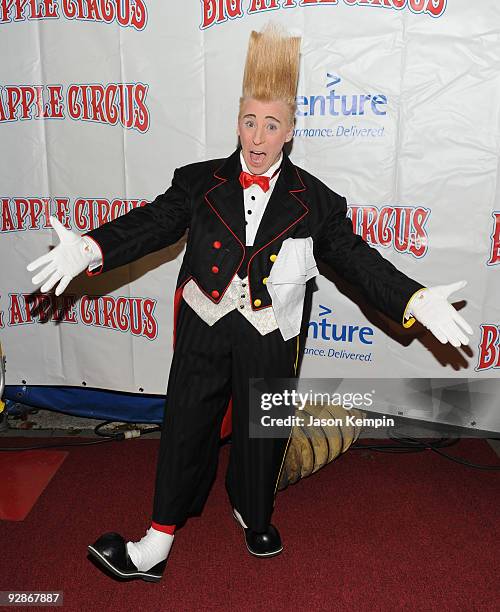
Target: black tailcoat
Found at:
x=207, y=199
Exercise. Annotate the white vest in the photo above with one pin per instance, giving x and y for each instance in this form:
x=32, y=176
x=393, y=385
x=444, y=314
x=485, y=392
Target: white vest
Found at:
x=237, y=296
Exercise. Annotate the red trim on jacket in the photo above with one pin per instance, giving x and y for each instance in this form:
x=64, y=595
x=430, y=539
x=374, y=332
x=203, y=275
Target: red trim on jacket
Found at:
x=223, y=180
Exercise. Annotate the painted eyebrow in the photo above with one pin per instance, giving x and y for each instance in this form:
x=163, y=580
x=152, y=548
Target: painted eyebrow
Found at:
x=267, y=117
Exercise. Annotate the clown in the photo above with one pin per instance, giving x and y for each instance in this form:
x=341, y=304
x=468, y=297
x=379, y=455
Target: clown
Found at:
x=257, y=225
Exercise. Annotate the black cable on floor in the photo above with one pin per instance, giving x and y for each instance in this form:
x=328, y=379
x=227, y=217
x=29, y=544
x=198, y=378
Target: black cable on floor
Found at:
x=133, y=433
x=112, y=437
x=407, y=444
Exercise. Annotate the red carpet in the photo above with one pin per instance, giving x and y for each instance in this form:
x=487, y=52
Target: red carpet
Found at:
x=24, y=476
x=370, y=532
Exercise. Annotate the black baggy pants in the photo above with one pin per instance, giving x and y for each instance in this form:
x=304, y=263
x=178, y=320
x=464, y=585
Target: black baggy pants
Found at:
x=210, y=365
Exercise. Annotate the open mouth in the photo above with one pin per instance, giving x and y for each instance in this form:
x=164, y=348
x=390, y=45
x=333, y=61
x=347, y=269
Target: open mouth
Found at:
x=257, y=157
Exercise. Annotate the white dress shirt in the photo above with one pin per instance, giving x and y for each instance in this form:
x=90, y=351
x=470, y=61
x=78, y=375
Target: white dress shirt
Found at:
x=255, y=200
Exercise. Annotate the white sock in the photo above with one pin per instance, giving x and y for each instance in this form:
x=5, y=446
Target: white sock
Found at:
x=150, y=550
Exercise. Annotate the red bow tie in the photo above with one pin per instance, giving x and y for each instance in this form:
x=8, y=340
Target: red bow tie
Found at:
x=247, y=179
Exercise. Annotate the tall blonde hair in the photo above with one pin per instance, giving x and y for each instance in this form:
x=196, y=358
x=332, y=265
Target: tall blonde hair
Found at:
x=272, y=68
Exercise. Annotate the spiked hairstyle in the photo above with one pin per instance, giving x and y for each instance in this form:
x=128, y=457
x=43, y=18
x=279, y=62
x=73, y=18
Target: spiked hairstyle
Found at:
x=272, y=68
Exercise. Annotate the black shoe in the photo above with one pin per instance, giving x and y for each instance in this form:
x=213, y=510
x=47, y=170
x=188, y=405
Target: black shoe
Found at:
x=110, y=550
x=266, y=544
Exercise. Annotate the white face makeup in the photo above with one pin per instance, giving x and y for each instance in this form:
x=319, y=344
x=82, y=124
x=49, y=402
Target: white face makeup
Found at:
x=263, y=128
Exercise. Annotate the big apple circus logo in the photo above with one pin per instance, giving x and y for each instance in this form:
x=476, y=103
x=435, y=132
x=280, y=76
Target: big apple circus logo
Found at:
x=489, y=342
x=216, y=12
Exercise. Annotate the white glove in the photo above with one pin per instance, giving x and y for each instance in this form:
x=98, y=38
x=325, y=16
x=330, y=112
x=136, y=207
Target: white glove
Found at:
x=64, y=262
x=431, y=307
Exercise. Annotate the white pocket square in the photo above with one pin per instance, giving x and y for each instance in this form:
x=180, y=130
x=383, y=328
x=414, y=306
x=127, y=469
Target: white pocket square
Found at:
x=294, y=266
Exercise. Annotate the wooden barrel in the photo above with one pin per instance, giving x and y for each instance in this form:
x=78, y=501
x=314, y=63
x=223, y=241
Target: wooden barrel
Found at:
x=314, y=444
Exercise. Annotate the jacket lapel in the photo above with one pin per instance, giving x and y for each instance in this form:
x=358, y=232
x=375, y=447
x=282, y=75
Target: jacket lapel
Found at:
x=285, y=207
x=225, y=197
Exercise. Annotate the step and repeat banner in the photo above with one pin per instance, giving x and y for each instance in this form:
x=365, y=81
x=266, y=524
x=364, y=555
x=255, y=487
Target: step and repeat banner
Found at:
x=100, y=100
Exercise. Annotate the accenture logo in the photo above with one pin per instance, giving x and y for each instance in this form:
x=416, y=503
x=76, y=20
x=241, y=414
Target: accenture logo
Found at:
x=335, y=104
x=325, y=329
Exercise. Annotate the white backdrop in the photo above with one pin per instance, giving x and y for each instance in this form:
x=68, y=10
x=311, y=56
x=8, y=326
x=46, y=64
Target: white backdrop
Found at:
x=399, y=110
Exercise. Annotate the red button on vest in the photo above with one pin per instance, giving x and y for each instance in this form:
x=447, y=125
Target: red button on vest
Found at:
x=215, y=269
x=215, y=294
x=217, y=244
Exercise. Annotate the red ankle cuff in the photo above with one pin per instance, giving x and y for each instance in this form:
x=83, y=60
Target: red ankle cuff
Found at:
x=165, y=528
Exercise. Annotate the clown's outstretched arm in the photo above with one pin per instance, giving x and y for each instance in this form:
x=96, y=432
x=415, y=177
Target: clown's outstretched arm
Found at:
x=387, y=288
x=141, y=231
